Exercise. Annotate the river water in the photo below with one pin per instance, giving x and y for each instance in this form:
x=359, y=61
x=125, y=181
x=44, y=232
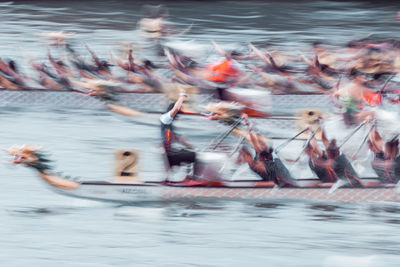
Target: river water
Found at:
x=40, y=228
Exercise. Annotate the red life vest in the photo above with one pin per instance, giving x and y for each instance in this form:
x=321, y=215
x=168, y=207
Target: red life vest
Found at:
x=222, y=71
x=372, y=98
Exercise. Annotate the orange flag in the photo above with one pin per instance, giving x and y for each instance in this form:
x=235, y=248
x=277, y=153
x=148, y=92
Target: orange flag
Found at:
x=372, y=98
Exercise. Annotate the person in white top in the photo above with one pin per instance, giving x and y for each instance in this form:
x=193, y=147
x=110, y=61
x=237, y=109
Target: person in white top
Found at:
x=171, y=141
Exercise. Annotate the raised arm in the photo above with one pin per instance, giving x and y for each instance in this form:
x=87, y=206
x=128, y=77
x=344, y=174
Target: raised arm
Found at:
x=220, y=50
x=130, y=61
x=178, y=104
x=94, y=56
x=259, y=53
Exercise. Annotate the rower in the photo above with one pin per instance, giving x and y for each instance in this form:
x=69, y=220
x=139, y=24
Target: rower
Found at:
x=102, y=66
x=86, y=69
x=352, y=99
x=130, y=66
x=9, y=75
x=175, y=155
x=266, y=163
x=338, y=163
x=317, y=162
x=151, y=80
x=48, y=79
x=224, y=74
x=323, y=60
x=62, y=71
x=386, y=162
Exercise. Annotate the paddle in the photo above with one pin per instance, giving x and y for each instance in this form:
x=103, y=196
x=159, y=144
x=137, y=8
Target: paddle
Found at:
x=220, y=50
x=222, y=137
x=306, y=144
x=386, y=83
x=336, y=185
x=184, y=30
x=352, y=133
x=231, y=154
x=353, y=157
x=284, y=144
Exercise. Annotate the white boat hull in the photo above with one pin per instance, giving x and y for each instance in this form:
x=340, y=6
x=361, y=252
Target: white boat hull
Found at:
x=131, y=193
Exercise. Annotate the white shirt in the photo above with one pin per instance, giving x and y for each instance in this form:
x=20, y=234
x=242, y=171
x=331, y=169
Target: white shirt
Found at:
x=166, y=118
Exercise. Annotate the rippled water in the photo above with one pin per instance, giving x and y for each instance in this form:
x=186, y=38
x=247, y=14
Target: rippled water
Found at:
x=40, y=228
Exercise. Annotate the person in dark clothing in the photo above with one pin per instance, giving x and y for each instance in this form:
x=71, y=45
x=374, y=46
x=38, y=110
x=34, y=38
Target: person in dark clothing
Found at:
x=317, y=158
x=336, y=164
x=386, y=162
x=171, y=140
x=266, y=164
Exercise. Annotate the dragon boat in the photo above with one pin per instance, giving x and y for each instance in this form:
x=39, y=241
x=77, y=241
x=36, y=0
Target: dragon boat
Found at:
x=157, y=102
x=124, y=191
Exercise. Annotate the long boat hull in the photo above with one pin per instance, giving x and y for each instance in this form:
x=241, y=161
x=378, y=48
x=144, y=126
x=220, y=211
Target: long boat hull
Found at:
x=131, y=193
x=151, y=102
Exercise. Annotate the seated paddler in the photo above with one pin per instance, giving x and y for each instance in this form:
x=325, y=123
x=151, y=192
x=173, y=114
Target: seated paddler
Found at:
x=175, y=146
x=336, y=164
x=266, y=163
x=386, y=162
x=319, y=162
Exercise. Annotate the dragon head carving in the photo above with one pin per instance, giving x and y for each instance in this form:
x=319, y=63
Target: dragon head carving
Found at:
x=30, y=156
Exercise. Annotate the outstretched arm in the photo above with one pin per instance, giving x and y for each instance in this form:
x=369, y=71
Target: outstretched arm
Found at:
x=376, y=140
x=315, y=147
x=178, y=104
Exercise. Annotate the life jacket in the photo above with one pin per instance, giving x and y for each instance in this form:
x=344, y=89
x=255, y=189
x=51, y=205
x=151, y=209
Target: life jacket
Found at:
x=221, y=72
x=372, y=98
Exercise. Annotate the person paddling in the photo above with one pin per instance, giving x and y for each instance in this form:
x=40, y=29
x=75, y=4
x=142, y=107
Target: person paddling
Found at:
x=223, y=74
x=354, y=96
x=318, y=162
x=386, y=162
x=266, y=163
x=338, y=163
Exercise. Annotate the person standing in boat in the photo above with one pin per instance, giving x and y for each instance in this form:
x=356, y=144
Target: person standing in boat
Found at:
x=266, y=163
x=170, y=140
